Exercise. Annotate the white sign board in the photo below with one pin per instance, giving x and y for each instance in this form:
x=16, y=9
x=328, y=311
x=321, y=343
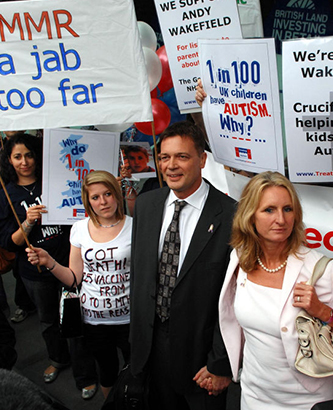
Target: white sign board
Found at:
x=317, y=204
x=182, y=23
x=69, y=155
x=75, y=62
x=308, y=108
x=317, y=213
x=242, y=109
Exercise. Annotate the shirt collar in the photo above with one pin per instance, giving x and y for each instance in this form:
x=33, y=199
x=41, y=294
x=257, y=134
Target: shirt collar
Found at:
x=196, y=199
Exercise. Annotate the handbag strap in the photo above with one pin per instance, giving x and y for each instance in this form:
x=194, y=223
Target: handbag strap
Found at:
x=74, y=284
x=318, y=270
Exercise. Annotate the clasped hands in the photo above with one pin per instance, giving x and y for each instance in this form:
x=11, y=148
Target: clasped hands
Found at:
x=212, y=383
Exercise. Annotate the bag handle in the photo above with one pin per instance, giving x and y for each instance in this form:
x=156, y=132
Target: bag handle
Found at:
x=318, y=270
x=74, y=284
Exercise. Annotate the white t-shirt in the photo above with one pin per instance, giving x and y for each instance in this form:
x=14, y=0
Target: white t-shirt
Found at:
x=106, y=275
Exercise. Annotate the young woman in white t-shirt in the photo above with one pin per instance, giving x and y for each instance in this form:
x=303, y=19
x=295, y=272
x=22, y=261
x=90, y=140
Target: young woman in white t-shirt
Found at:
x=100, y=260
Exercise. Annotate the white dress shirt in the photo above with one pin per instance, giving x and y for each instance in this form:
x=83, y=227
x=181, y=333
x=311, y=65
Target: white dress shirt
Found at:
x=188, y=219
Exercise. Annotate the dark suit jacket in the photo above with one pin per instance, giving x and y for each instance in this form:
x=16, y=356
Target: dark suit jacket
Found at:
x=194, y=333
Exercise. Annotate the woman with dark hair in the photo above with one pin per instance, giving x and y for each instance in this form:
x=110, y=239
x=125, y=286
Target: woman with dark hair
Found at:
x=100, y=260
x=21, y=167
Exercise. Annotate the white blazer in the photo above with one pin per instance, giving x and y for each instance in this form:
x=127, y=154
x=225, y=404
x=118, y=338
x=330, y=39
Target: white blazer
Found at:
x=297, y=270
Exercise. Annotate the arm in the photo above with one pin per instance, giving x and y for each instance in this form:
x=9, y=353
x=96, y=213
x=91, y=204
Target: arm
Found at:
x=33, y=215
x=38, y=256
x=216, y=375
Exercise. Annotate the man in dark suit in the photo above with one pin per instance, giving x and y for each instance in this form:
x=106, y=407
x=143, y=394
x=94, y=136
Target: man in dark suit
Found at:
x=184, y=348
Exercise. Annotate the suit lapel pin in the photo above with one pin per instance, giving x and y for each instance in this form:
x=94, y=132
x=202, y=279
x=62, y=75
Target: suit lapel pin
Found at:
x=211, y=228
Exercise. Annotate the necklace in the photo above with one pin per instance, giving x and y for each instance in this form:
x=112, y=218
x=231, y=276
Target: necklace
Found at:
x=109, y=226
x=31, y=191
x=271, y=270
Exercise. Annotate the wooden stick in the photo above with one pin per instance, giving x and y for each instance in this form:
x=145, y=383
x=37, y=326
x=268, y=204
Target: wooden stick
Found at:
x=17, y=219
x=156, y=154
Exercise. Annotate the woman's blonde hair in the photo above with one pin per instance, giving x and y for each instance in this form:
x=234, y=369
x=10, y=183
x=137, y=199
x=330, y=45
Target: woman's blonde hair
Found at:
x=107, y=179
x=244, y=237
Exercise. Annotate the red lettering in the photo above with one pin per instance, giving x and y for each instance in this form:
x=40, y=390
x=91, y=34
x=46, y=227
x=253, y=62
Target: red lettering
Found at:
x=44, y=20
x=44, y=17
x=316, y=237
x=313, y=235
x=11, y=28
x=65, y=25
x=327, y=242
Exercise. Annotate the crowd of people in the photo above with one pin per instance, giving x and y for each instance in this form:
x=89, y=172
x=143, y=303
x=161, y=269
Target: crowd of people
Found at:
x=210, y=288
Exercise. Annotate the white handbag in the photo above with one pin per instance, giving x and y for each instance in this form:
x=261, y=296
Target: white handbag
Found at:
x=315, y=353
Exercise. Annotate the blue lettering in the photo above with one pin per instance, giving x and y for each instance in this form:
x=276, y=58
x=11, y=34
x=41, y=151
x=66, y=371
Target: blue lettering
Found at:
x=64, y=58
x=9, y=62
x=41, y=95
x=21, y=97
x=77, y=97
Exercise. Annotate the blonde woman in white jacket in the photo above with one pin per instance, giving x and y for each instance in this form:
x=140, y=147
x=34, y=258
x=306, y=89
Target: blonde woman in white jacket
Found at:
x=263, y=292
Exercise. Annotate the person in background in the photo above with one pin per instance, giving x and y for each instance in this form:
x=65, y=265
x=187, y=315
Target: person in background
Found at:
x=100, y=258
x=17, y=392
x=264, y=290
x=8, y=354
x=21, y=165
x=24, y=305
x=174, y=325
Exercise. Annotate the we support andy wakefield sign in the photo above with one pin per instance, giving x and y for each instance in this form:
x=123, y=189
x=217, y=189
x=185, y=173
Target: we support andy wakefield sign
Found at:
x=72, y=62
x=308, y=107
x=242, y=110
x=182, y=23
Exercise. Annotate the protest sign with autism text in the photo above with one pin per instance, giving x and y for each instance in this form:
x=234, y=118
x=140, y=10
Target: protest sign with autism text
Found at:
x=69, y=155
x=62, y=65
x=242, y=109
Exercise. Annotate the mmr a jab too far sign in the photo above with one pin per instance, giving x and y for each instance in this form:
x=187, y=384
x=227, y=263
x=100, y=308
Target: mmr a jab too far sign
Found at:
x=62, y=67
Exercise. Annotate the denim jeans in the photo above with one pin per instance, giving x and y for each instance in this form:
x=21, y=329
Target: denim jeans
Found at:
x=22, y=298
x=45, y=296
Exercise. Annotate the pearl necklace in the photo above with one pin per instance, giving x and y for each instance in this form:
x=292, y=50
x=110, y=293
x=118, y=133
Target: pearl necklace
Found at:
x=109, y=226
x=271, y=270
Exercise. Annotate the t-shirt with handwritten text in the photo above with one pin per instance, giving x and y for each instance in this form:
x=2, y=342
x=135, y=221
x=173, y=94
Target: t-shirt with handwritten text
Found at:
x=106, y=275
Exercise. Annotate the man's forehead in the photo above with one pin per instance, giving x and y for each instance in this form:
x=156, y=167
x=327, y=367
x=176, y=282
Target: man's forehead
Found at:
x=170, y=142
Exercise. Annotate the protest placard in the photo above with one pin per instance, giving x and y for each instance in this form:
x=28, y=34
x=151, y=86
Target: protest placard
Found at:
x=308, y=108
x=138, y=158
x=182, y=23
x=242, y=110
x=317, y=214
x=69, y=155
x=71, y=63
x=317, y=204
